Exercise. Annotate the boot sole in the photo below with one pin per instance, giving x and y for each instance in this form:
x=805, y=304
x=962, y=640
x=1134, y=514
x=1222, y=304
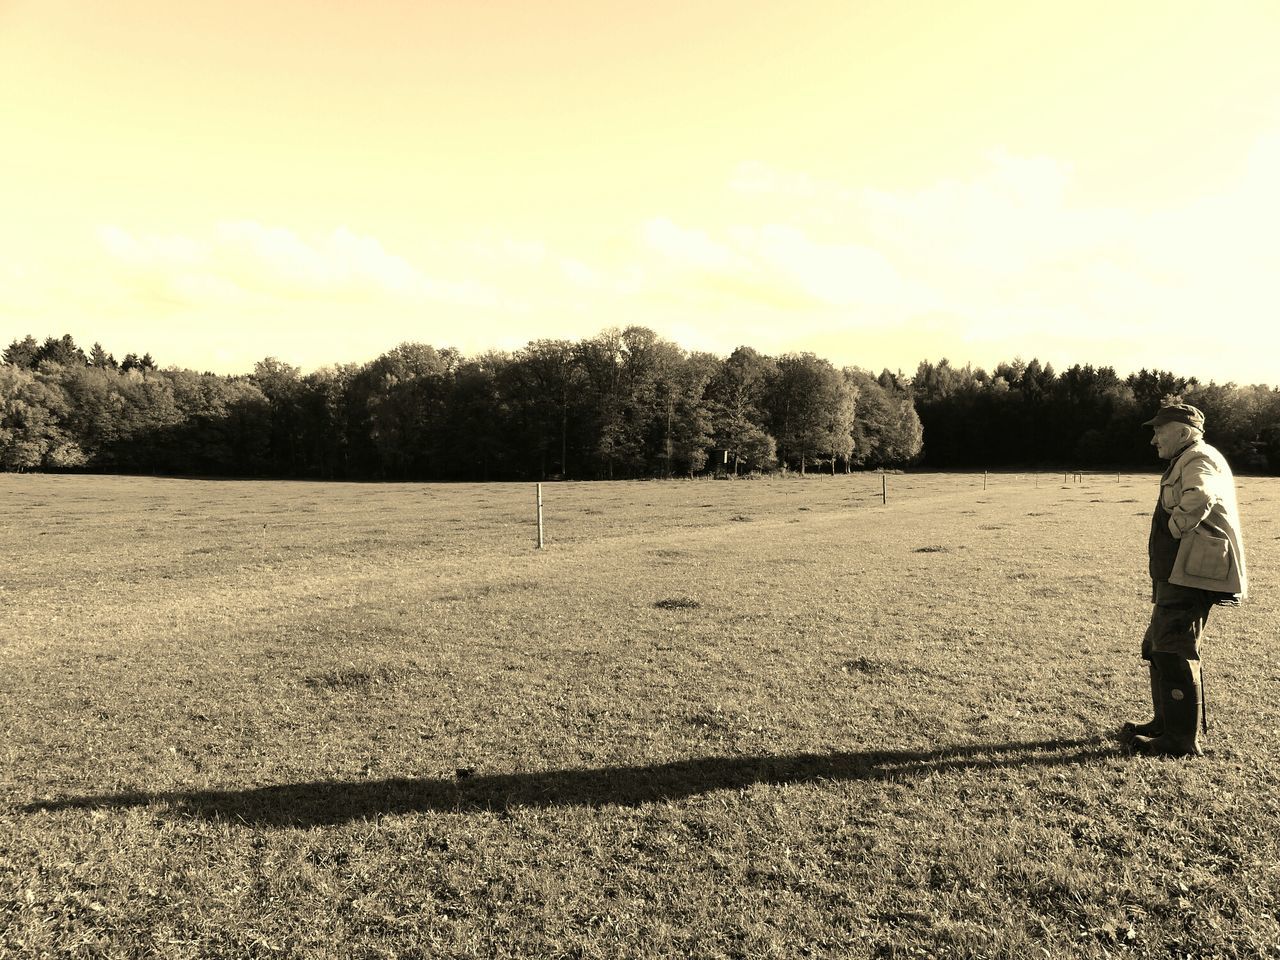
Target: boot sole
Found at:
x=1152, y=747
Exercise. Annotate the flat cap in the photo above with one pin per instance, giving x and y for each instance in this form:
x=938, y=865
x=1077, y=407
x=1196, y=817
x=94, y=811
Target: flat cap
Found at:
x=1178, y=413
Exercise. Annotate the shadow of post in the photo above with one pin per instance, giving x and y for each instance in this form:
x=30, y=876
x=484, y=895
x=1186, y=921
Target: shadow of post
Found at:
x=332, y=802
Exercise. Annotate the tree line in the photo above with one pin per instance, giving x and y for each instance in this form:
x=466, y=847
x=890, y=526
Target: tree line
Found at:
x=624, y=403
x=1024, y=414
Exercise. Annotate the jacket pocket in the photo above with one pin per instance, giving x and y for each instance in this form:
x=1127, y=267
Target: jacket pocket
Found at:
x=1208, y=557
x=1169, y=494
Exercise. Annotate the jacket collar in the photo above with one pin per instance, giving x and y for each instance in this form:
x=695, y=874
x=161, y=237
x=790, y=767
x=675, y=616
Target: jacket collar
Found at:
x=1178, y=457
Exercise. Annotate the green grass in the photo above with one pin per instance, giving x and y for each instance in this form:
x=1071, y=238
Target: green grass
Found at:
x=769, y=718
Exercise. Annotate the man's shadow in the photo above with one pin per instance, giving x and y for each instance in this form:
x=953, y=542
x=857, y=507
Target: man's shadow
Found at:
x=332, y=802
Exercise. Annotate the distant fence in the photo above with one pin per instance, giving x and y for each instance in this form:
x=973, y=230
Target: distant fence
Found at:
x=1072, y=477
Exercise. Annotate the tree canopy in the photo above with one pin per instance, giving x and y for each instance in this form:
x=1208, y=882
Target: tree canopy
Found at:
x=624, y=403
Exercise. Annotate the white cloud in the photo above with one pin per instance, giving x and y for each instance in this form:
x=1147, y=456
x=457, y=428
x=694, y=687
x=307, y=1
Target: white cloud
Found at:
x=579, y=274
x=1012, y=217
x=835, y=274
x=245, y=261
x=761, y=179
x=689, y=247
x=1014, y=257
x=500, y=247
x=778, y=264
x=1013, y=260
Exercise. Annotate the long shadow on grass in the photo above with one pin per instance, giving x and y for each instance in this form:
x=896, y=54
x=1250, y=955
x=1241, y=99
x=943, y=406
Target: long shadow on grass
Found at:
x=331, y=802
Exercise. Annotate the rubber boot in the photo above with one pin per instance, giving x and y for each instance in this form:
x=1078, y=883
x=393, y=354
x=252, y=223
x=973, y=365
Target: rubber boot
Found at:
x=1155, y=726
x=1180, y=695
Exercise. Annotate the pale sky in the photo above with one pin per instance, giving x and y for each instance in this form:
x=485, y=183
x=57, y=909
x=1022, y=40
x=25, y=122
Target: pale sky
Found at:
x=878, y=183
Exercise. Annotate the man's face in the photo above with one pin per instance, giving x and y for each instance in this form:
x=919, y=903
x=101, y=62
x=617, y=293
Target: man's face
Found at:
x=1166, y=439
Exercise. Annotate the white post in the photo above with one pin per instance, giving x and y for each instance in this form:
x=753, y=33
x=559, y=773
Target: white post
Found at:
x=539, y=516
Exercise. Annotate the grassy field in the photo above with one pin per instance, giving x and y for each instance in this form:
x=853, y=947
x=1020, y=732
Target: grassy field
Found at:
x=760, y=718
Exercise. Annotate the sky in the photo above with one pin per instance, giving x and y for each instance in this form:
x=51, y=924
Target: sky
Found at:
x=877, y=183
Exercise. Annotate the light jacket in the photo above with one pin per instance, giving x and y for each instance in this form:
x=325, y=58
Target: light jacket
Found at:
x=1200, y=494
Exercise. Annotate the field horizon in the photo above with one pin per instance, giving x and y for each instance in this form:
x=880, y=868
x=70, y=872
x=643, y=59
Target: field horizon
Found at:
x=768, y=717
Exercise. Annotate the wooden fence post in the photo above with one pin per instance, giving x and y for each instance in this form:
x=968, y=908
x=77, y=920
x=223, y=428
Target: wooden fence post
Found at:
x=539, y=516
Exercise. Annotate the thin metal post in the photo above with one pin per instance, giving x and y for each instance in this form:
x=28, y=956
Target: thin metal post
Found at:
x=984, y=479
x=539, y=516
x=884, y=488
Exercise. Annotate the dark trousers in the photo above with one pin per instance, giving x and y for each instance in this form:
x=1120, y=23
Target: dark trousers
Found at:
x=1177, y=621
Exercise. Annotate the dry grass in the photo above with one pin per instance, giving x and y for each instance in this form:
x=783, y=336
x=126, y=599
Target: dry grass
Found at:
x=717, y=719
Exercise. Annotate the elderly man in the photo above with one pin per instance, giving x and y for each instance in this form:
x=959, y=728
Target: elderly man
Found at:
x=1196, y=560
